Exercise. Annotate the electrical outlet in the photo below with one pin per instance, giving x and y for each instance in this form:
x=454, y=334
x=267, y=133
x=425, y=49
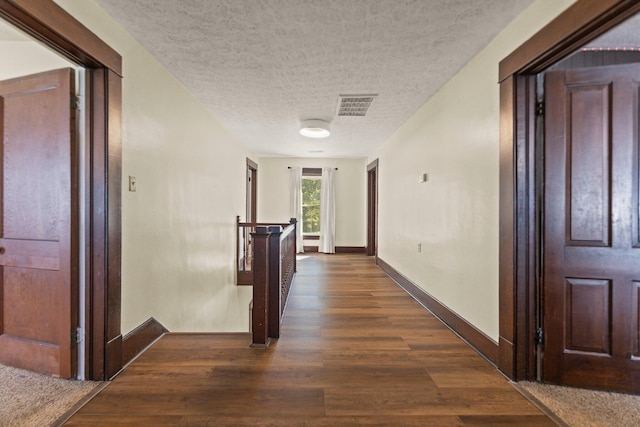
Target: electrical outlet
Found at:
x=132, y=183
x=419, y=247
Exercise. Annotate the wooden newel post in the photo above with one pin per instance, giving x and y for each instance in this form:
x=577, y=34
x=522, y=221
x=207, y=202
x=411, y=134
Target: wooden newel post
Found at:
x=275, y=279
x=260, y=314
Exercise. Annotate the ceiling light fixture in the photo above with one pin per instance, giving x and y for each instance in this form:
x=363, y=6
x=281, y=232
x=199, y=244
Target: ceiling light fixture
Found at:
x=315, y=128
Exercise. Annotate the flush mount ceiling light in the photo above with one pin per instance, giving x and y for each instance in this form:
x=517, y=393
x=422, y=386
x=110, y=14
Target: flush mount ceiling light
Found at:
x=315, y=128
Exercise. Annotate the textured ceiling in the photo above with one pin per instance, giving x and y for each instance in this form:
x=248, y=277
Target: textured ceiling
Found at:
x=262, y=66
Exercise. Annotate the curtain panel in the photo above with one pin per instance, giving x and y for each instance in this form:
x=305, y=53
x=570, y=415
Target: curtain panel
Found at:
x=328, y=212
x=295, y=190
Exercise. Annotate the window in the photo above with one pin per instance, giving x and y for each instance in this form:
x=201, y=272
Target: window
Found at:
x=311, y=204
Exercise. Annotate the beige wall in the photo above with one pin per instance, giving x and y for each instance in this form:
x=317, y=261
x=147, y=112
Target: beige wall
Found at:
x=178, y=228
x=273, y=194
x=178, y=235
x=454, y=215
x=27, y=57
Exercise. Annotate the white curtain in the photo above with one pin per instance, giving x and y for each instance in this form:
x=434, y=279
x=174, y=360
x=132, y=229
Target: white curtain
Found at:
x=295, y=186
x=328, y=212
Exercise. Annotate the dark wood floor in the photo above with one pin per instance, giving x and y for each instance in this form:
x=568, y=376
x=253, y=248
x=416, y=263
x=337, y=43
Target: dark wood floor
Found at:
x=355, y=350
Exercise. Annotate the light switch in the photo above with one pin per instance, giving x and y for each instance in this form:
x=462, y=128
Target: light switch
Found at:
x=132, y=183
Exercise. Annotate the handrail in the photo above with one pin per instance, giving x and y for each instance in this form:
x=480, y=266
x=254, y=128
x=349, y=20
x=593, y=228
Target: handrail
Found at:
x=244, y=248
x=265, y=224
x=273, y=265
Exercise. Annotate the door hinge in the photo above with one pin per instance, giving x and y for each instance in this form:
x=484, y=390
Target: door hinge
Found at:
x=77, y=336
x=75, y=102
x=540, y=109
x=539, y=337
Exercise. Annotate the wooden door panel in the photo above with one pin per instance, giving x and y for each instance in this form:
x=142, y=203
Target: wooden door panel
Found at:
x=635, y=331
x=591, y=257
x=607, y=372
x=635, y=202
x=588, y=172
x=29, y=313
x=588, y=315
x=38, y=249
x=41, y=255
x=30, y=217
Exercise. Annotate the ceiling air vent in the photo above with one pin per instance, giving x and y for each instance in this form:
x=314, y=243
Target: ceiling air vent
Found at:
x=354, y=105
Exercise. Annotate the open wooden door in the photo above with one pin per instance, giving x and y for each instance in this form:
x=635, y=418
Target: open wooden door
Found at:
x=252, y=191
x=591, y=280
x=372, y=208
x=38, y=227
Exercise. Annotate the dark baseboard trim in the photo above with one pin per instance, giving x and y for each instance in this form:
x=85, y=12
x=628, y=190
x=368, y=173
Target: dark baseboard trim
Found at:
x=136, y=341
x=505, y=359
x=350, y=250
x=113, y=363
x=473, y=336
x=204, y=334
x=340, y=249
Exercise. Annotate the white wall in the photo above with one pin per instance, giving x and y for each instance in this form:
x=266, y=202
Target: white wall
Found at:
x=178, y=228
x=350, y=179
x=454, y=138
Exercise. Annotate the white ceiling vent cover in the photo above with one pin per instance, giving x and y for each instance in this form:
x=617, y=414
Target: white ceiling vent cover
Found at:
x=354, y=105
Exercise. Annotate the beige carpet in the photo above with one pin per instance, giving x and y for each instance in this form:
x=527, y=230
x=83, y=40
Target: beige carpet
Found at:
x=28, y=399
x=586, y=408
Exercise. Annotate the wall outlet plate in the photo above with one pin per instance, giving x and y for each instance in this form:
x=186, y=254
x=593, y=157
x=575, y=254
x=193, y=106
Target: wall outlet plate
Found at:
x=132, y=183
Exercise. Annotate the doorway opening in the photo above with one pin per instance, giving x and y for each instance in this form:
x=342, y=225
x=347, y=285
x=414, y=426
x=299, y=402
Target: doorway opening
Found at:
x=372, y=208
x=532, y=186
x=53, y=27
x=252, y=191
x=31, y=83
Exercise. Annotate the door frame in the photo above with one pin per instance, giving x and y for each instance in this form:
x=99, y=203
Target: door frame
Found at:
x=252, y=191
x=372, y=209
x=55, y=28
x=519, y=238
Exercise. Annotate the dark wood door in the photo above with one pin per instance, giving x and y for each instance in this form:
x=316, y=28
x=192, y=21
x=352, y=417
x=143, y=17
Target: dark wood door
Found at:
x=252, y=191
x=372, y=208
x=591, y=283
x=38, y=245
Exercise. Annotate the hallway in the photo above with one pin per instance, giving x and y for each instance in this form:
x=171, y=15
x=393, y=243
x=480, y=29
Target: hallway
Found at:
x=355, y=349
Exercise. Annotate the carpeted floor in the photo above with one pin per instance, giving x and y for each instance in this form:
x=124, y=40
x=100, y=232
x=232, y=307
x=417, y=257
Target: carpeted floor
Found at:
x=28, y=399
x=585, y=408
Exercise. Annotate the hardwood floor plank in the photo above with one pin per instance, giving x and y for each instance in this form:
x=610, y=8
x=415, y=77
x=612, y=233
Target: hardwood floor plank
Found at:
x=354, y=350
x=117, y=420
x=349, y=377
x=334, y=421
x=507, y=420
x=459, y=401
x=445, y=377
x=260, y=402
